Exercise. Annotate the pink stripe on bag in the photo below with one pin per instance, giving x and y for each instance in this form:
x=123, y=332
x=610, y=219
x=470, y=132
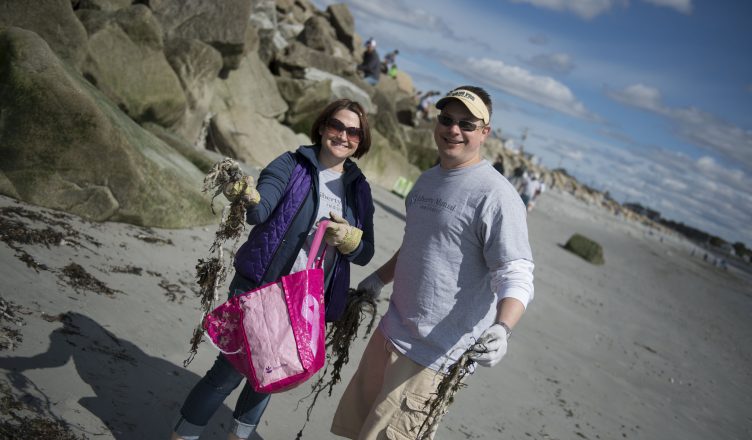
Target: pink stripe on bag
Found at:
x=274, y=335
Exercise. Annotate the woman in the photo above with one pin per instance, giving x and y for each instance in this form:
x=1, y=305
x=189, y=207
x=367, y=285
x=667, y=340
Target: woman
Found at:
x=294, y=192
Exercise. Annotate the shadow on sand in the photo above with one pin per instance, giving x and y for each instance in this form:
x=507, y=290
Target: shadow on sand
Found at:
x=137, y=395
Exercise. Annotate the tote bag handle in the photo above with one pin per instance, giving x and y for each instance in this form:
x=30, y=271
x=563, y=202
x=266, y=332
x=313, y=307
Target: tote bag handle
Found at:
x=316, y=244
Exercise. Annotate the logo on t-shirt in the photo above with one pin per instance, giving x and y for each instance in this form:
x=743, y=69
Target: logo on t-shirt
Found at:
x=434, y=204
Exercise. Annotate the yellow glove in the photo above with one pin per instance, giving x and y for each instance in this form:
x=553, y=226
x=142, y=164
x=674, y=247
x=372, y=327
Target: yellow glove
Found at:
x=341, y=235
x=244, y=188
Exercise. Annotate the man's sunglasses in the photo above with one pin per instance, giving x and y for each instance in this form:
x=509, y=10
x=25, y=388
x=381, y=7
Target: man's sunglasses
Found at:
x=354, y=134
x=464, y=125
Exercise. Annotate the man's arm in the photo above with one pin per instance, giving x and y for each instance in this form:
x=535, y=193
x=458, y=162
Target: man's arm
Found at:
x=386, y=271
x=384, y=275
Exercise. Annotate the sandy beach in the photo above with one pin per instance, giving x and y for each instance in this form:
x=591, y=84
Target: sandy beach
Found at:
x=654, y=344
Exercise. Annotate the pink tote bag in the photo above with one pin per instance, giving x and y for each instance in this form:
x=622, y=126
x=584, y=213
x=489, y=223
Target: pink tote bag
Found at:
x=274, y=335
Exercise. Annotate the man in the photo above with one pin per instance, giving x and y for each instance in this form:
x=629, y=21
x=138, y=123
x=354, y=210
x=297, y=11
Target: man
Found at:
x=371, y=65
x=463, y=275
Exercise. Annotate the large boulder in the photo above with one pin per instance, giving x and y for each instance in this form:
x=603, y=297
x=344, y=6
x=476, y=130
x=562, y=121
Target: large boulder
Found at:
x=258, y=142
x=586, y=248
x=306, y=99
x=319, y=35
x=296, y=57
x=246, y=109
x=104, y=5
x=383, y=165
x=222, y=24
x=65, y=146
x=344, y=25
x=342, y=88
x=251, y=87
x=126, y=61
x=197, y=65
x=53, y=20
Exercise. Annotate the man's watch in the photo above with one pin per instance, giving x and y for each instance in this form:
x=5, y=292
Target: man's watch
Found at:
x=506, y=327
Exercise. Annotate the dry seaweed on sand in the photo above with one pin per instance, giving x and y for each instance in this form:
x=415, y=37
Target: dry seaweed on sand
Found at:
x=438, y=404
x=339, y=337
x=212, y=272
x=18, y=421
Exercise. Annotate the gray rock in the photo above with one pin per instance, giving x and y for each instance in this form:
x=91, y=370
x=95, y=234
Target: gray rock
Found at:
x=53, y=20
x=319, y=35
x=125, y=60
x=104, y=5
x=197, y=65
x=222, y=24
x=65, y=146
x=342, y=88
x=344, y=25
x=251, y=88
x=297, y=56
x=306, y=98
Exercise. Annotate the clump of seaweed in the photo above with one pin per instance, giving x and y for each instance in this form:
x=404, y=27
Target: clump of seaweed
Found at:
x=79, y=278
x=339, y=337
x=10, y=336
x=438, y=404
x=15, y=425
x=212, y=272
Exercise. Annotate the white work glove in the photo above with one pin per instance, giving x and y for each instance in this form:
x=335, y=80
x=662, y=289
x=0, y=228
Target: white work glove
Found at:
x=491, y=346
x=372, y=284
x=341, y=235
x=244, y=188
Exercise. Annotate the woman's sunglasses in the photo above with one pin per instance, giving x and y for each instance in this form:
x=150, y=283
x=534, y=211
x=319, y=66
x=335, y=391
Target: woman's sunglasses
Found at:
x=464, y=125
x=354, y=134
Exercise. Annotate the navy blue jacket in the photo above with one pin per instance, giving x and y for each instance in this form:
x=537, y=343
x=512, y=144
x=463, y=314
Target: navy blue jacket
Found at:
x=289, y=190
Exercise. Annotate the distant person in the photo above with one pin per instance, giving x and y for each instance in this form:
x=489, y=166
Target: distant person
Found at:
x=294, y=192
x=371, y=65
x=499, y=164
x=462, y=276
x=425, y=103
x=530, y=190
x=390, y=61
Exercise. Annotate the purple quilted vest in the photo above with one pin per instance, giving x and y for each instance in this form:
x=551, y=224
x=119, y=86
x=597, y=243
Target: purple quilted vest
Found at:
x=255, y=255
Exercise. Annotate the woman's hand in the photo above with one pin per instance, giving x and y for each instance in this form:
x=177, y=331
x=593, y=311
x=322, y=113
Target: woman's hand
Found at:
x=341, y=235
x=244, y=188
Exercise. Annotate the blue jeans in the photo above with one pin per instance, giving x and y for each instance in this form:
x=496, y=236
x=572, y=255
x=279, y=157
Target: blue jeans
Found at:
x=209, y=393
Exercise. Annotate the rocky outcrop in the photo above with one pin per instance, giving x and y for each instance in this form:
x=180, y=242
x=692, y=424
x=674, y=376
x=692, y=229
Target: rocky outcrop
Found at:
x=125, y=60
x=221, y=24
x=53, y=20
x=197, y=65
x=66, y=146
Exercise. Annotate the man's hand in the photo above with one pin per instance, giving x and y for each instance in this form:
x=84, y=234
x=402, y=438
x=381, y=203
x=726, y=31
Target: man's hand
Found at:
x=245, y=189
x=372, y=284
x=491, y=346
x=341, y=235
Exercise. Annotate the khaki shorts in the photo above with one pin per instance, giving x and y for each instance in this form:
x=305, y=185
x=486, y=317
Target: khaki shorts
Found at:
x=386, y=396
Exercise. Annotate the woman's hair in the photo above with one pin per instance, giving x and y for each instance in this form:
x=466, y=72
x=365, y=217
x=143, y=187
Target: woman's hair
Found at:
x=334, y=107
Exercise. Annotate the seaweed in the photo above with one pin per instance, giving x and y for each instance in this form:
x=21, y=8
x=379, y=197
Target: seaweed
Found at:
x=339, y=337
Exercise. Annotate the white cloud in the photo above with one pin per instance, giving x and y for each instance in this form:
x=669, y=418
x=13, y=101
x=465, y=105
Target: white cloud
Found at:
x=640, y=96
x=701, y=128
x=586, y=9
x=553, y=62
x=683, y=6
x=541, y=90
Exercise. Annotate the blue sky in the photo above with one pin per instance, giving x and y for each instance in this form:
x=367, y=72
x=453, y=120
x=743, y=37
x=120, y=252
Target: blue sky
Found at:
x=648, y=99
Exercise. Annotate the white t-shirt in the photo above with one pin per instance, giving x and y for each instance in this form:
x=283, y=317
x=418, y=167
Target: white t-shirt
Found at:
x=331, y=195
x=462, y=225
